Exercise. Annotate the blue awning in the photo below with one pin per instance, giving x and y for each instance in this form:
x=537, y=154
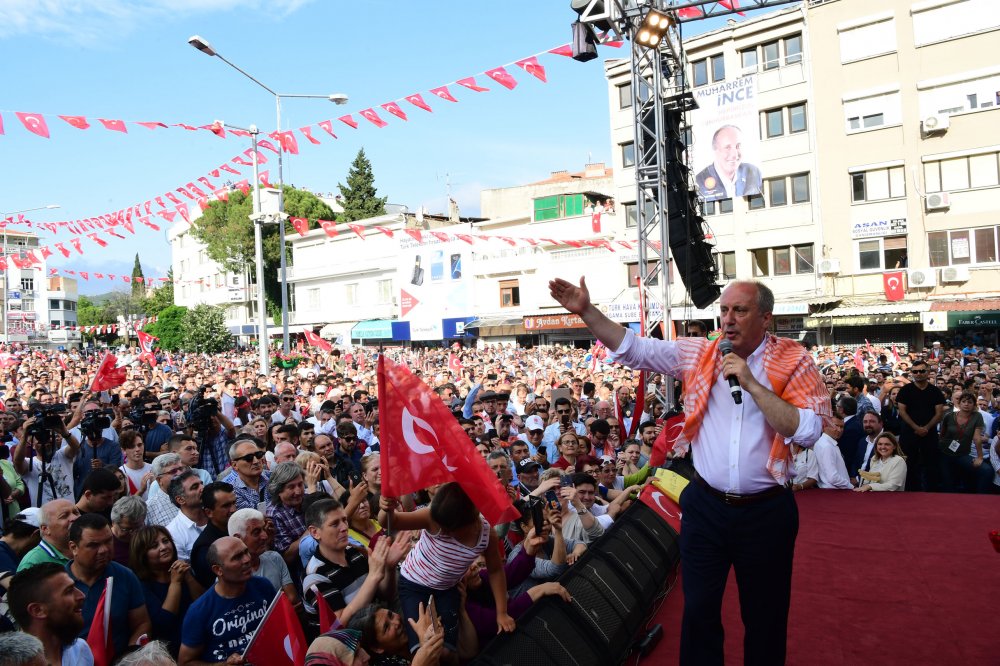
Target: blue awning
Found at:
x=456, y=327
x=373, y=328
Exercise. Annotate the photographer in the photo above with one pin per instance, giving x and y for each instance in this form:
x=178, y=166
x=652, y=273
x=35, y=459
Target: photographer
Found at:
x=88, y=405
x=214, y=431
x=96, y=450
x=57, y=464
x=155, y=435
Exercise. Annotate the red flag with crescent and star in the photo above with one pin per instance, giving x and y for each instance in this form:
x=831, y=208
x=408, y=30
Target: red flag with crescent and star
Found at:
x=108, y=376
x=422, y=445
x=278, y=639
x=317, y=341
x=146, y=344
x=893, y=284
x=664, y=442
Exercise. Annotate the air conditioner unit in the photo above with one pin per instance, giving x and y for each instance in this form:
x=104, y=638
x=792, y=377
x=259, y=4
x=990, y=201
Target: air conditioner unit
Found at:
x=938, y=201
x=921, y=278
x=829, y=266
x=955, y=274
x=938, y=122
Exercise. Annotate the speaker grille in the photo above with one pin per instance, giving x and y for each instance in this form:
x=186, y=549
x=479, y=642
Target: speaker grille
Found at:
x=550, y=636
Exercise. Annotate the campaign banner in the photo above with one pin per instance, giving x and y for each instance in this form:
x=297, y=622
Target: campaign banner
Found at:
x=726, y=145
x=432, y=283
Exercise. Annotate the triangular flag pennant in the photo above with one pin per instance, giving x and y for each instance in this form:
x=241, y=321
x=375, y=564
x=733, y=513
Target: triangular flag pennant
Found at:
x=301, y=225
x=264, y=143
x=415, y=234
x=388, y=232
x=34, y=123
x=329, y=227
x=114, y=125
x=358, y=229
x=288, y=141
x=327, y=125
x=148, y=125
x=373, y=118
x=79, y=122
x=349, y=120
x=443, y=93
x=470, y=83
x=501, y=76
x=417, y=100
x=394, y=109
x=307, y=132
x=564, y=50
x=531, y=66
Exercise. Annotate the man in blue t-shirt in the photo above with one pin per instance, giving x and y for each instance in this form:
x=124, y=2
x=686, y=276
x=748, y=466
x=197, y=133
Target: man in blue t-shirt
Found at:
x=91, y=543
x=219, y=625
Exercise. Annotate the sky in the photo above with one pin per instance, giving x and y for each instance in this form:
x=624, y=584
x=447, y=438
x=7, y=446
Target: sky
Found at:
x=130, y=60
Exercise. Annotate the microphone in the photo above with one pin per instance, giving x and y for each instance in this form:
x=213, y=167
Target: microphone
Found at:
x=726, y=347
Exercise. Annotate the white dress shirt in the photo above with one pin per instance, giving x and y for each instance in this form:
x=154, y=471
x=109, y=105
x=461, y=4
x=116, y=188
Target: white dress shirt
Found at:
x=733, y=443
x=184, y=532
x=832, y=470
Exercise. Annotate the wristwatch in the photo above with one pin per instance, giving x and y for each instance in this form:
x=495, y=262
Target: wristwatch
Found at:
x=582, y=511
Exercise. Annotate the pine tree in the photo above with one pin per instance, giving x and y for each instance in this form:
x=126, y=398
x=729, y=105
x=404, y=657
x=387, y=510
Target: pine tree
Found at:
x=359, y=195
x=138, y=286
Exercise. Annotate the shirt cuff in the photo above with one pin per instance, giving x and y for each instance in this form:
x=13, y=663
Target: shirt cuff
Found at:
x=623, y=348
x=809, y=430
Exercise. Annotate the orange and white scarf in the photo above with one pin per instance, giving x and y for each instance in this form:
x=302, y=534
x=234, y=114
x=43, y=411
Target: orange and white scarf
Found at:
x=793, y=376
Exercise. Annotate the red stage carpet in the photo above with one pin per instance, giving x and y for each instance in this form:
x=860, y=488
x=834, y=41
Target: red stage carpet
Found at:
x=879, y=578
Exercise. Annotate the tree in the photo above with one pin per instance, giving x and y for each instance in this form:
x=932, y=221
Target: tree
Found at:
x=205, y=330
x=227, y=232
x=359, y=195
x=138, y=286
x=162, y=297
x=89, y=313
x=169, y=327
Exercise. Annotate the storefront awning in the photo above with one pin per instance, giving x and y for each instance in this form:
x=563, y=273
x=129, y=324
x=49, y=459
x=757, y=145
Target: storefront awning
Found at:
x=492, y=322
x=373, y=329
x=870, y=315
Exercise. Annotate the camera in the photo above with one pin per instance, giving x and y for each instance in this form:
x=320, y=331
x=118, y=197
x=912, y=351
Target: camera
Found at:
x=371, y=405
x=143, y=418
x=202, y=410
x=96, y=421
x=48, y=417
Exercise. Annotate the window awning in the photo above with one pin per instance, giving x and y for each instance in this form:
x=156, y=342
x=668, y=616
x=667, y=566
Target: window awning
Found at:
x=870, y=315
x=373, y=328
x=490, y=322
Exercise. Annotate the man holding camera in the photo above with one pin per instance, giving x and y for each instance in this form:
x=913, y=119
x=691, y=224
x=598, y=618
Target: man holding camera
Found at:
x=216, y=432
x=54, y=464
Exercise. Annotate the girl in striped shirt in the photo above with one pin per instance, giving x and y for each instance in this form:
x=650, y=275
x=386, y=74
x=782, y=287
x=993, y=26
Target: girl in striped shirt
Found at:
x=454, y=535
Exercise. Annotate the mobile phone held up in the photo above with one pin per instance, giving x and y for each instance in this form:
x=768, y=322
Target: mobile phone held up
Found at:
x=552, y=500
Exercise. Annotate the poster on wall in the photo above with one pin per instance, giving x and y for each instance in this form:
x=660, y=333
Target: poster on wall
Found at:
x=726, y=141
x=433, y=284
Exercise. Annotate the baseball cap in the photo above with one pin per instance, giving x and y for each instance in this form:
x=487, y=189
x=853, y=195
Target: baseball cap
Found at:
x=30, y=516
x=534, y=422
x=527, y=465
x=320, y=389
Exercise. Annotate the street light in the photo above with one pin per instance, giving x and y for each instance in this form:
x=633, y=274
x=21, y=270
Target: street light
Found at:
x=6, y=271
x=206, y=47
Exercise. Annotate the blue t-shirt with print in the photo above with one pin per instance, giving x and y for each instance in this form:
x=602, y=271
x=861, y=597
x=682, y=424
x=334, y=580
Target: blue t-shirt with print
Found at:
x=220, y=626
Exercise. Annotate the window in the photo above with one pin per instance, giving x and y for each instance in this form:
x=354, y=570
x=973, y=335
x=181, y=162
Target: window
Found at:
x=510, y=294
x=775, y=122
x=631, y=218
x=555, y=207
x=872, y=38
x=962, y=173
x=54, y=305
x=761, y=264
x=220, y=279
x=628, y=154
x=748, y=59
x=783, y=260
x=633, y=273
x=312, y=298
x=797, y=118
x=777, y=191
x=966, y=91
x=625, y=96
x=962, y=247
x=878, y=254
x=872, y=111
x=717, y=207
x=351, y=293
x=28, y=305
x=699, y=72
x=755, y=201
x=793, y=49
x=878, y=184
x=771, y=55
x=727, y=265
x=69, y=306
x=384, y=291
x=953, y=19
x=56, y=322
x=800, y=188
x=27, y=284
x=718, y=68
x=803, y=258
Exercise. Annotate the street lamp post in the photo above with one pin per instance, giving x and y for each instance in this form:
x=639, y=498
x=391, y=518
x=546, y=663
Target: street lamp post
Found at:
x=6, y=271
x=205, y=47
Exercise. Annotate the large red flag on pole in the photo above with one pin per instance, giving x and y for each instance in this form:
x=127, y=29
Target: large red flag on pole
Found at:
x=423, y=445
x=108, y=376
x=146, y=344
x=317, y=341
x=278, y=640
x=99, y=636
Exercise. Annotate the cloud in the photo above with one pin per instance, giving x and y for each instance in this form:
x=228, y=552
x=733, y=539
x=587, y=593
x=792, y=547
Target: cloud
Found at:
x=89, y=22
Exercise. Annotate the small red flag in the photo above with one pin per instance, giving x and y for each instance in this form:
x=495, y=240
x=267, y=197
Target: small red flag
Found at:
x=77, y=244
x=288, y=141
x=443, y=93
x=243, y=186
x=242, y=162
x=184, y=212
x=422, y=444
x=349, y=120
x=895, y=354
x=385, y=230
x=327, y=125
x=97, y=239
x=665, y=507
x=167, y=215
x=114, y=125
x=264, y=143
x=264, y=178
x=358, y=229
x=415, y=234
x=185, y=193
x=278, y=639
x=108, y=376
x=62, y=248
x=79, y=122
x=327, y=618
x=859, y=362
x=893, y=285
x=417, y=100
x=34, y=123
x=146, y=344
x=217, y=128
x=99, y=636
x=454, y=363
x=197, y=190
x=206, y=182
x=595, y=223
x=317, y=341
x=307, y=133
x=564, y=50
x=501, y=76
x=531, y=66
x=172, y=197
x=329, y=227
x=150, y=125
x=394, y=109
x=373, y=118
x=689, y=12
x=470, y=83
x=664, y=442
x=228, y=169
x=261, y=157
x=301, y=225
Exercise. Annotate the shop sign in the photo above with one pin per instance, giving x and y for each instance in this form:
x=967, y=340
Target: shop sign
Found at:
x=974, y=319
x=879, y=228
x=934, y=321
x=864, y=320
x=628, y=312
x=553, y=322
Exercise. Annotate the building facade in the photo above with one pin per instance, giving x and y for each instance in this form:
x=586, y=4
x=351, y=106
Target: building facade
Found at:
x=26, y=307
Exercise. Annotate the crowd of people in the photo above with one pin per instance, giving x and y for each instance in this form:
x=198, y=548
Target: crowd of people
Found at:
x=204, y=489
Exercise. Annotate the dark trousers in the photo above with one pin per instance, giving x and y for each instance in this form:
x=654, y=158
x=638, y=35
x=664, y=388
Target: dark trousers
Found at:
x=758, y=540
x=923, y=468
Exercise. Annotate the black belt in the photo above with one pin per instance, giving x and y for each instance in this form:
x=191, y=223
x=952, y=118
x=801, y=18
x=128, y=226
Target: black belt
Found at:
x=733, y=499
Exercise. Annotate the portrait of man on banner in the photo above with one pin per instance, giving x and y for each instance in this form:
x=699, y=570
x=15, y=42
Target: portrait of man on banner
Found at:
x=726, y=140
x=728, y=175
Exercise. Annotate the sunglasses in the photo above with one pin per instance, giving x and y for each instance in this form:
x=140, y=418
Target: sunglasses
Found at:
x=349, y=439
x=250, y=457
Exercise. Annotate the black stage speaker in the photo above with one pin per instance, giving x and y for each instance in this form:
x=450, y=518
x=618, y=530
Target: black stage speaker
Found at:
x=615, y=586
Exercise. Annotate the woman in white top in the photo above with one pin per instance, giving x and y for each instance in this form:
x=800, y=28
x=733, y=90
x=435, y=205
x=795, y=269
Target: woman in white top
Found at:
x=888, y=466
x=138, y=472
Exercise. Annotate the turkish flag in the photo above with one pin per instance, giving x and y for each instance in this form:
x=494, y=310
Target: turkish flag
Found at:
x=150, y=125
x=242, y=162
x=349, y=120
x=46, y=252
x=893, y=285
x=372, y=117
x=77, y=244
x=394, y=109
x=564, y=50
x=454, y=363
x=441, y=236
x=417, y=100
x=531, y=66
x=288, y=141
x=62, y=248
x=115, y=125
x=595, y=223
x=388, y=232
x=99, y=637
x=317, y=341
x=97, y=239
x=327, y=125
x=243, y=186
x=859, y=362
x=415, y=234
x=307, y=133
x=278, y=640
x=443, y=93
x=146, y=344
x=301, y=225
x=732, y=4
x=167, y=215
x=79, y=122
x=422, y=445
x=664, y=443
x=185, y=193
x=172, y=197
x=470, y=83
x=217, y=128
x=665, y=507
x=358, y=229
x=264, y=178
x=501, y=76
x=228, y=169
x=184, y=212
x=689, y=12
x=34, y=123
x=329, y=227
x=197, y=190
x=264, y=143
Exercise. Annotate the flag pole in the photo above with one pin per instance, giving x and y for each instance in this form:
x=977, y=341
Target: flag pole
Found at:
x=380, y=369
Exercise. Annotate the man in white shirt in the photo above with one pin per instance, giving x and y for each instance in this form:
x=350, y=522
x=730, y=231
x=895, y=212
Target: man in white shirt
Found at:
x=832, y=470
x=186, y=527
x=286, y=409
